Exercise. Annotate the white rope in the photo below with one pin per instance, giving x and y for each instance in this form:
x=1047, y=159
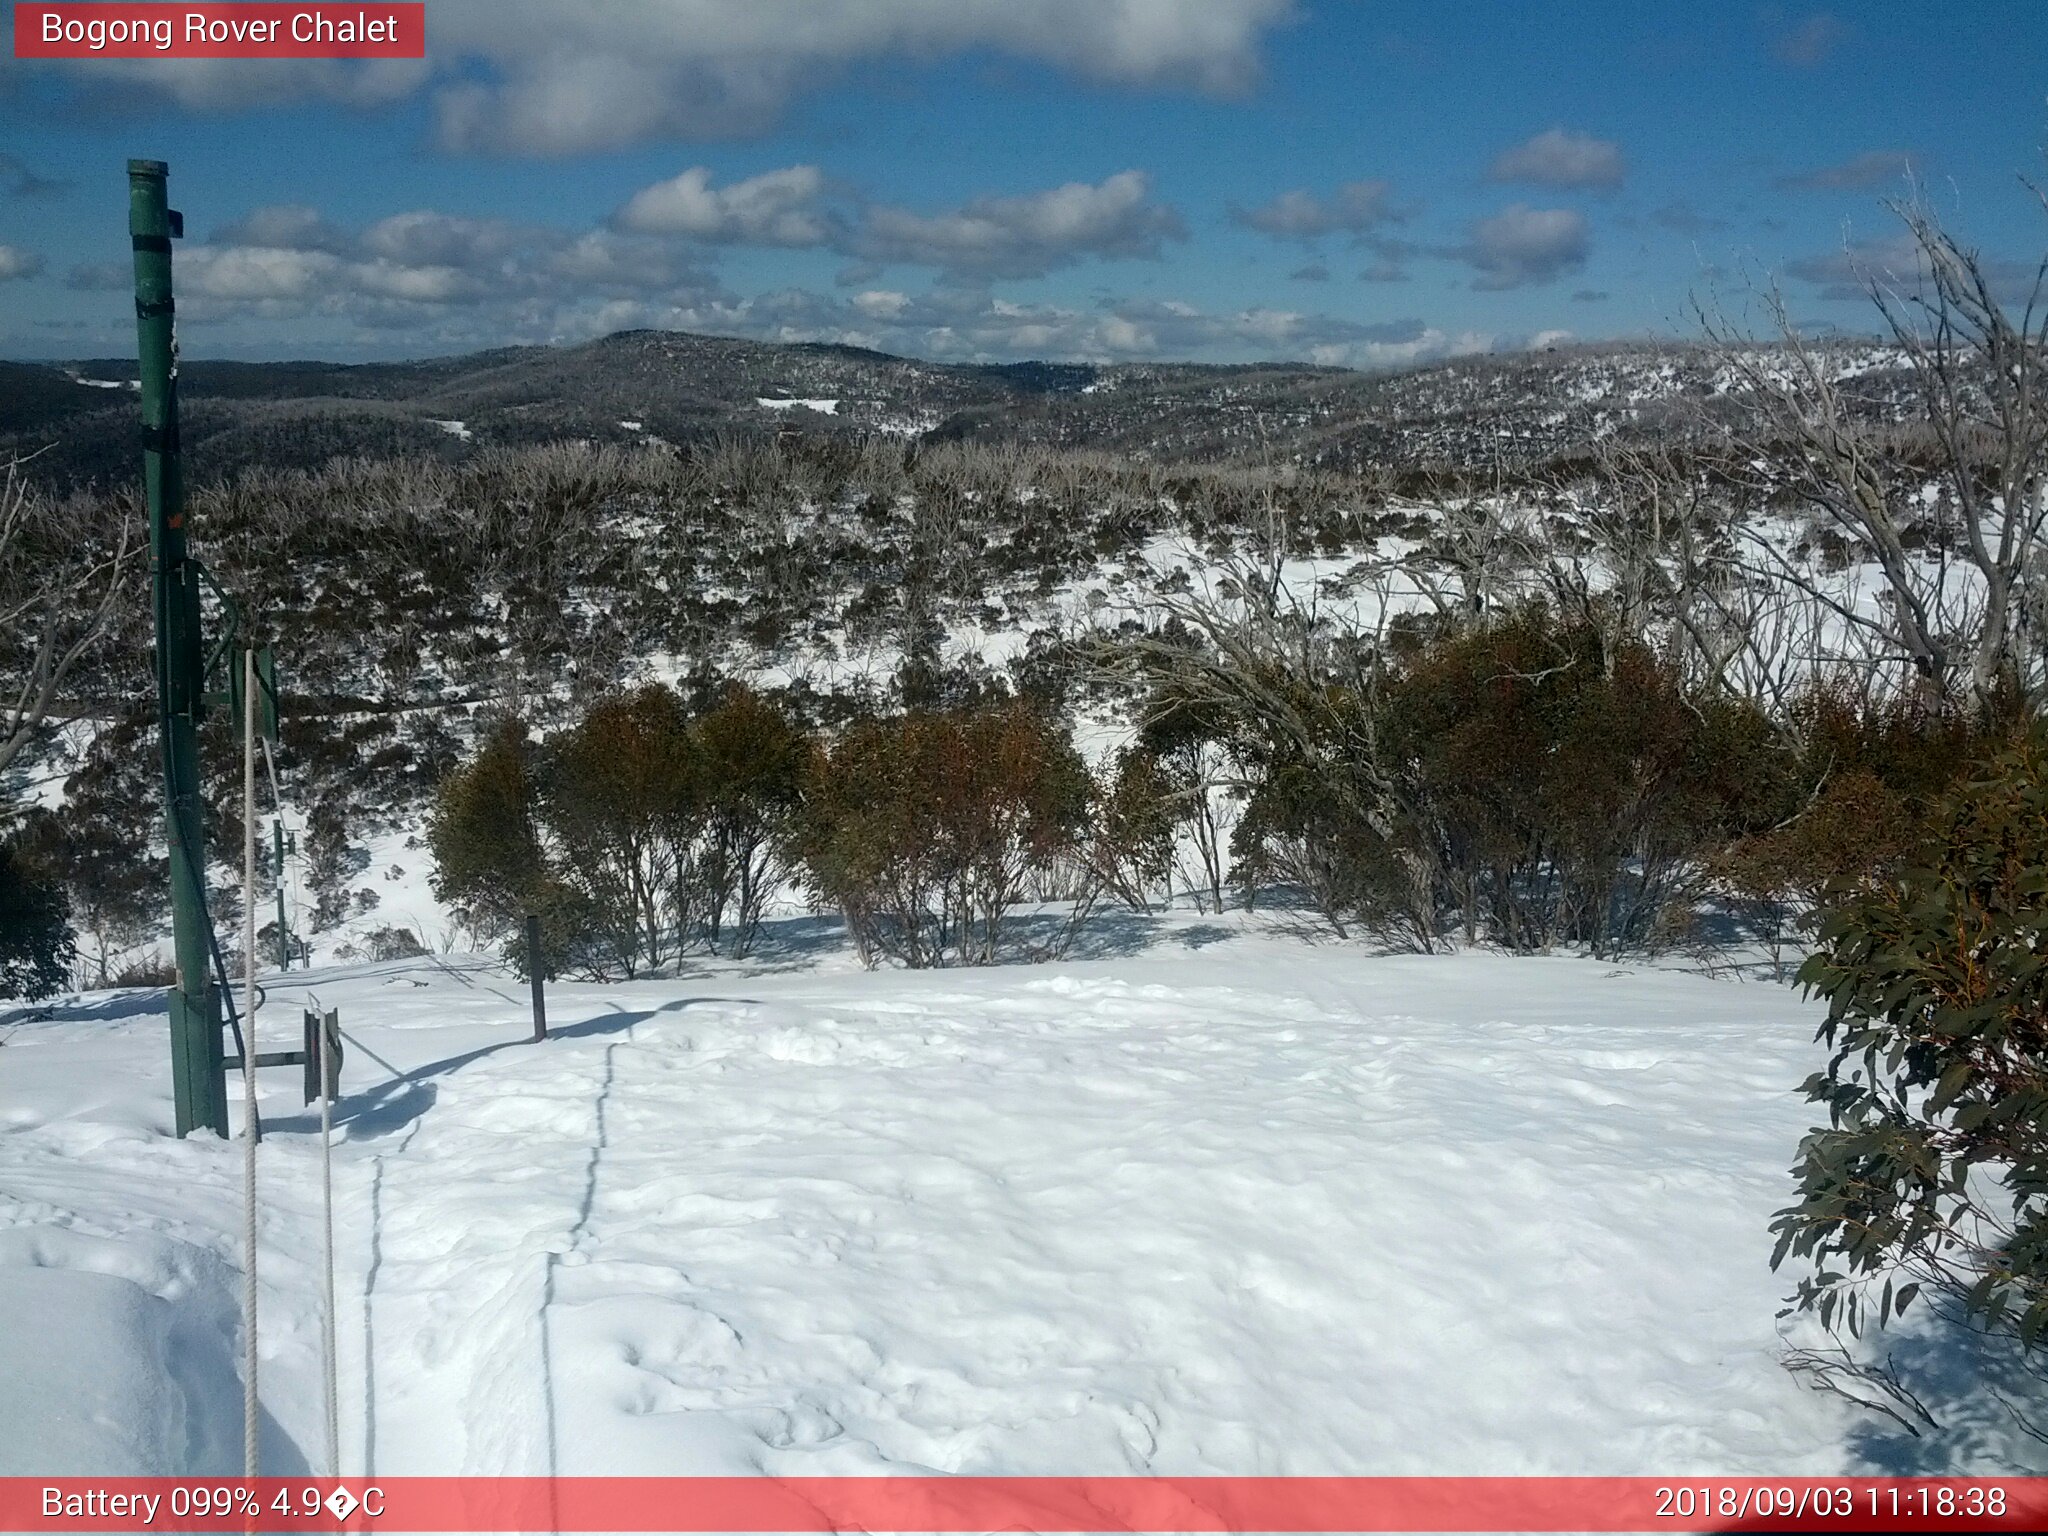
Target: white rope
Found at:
x=270, y=770
x=329, y=1320
x=327, y=1220
x=249, y=1408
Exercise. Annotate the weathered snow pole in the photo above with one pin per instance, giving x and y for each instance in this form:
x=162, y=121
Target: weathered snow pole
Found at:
x=198, y=1079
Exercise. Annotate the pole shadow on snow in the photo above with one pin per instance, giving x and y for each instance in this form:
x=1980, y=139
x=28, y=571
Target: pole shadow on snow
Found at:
x=401, y=1099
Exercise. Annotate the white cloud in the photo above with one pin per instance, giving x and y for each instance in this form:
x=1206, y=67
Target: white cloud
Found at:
x=242, y=85
x=1559, y=157
x=1521, y=245
x=1021, y=235
x=1427, y=345
x=881, y=303
x=774, y=208
x=1028, y=235
x=612, y=263
x=426, y=239
x=448, y=283
x=285, y=226
x=571, y=80
x=1897, y=263
x=257, y=273
x=18, y=262
x=1354, y=207
x=290, y=260
x=418, y=284
x=543, y=78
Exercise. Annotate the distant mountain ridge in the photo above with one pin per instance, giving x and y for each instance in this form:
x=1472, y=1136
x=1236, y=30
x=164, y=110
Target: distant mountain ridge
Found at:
x=638, y=386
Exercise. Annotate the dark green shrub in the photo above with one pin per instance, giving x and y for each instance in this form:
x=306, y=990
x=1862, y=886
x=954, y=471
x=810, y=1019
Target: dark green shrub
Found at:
x=36, y=944
x=1295, y=834
x=1133, y=817
x=1572, y=787
x=1866, y=782
x=482, y=835
x=1528, y=780
x=392, y=943
x=1931, y=1176
x=1194, y=744
x=153, y=969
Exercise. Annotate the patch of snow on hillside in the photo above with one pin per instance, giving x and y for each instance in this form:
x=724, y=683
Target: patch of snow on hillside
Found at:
x=905, y=426
x=452, y=428
x=822, y=407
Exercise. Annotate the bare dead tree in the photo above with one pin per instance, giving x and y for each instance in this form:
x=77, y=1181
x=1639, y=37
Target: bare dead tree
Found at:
x=1481, y=554
x=1981, y=372
x=58, y=595
x=1279, y=669
x=1964, y=571
x=1661, y=560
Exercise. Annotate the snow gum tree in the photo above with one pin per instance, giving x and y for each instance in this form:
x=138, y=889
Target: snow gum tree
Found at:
x=924, y=829
x=632, y=834
x=481, y=832
x=622, y=798
x=749, y=763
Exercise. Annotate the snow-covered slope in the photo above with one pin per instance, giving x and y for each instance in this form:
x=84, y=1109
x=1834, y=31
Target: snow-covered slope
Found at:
x=1217, y=1200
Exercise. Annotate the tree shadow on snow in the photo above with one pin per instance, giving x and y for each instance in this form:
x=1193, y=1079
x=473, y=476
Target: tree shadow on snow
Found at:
x=797, y=943
x=1118, y=933
x=127, y=1004
x=1971, y=1387
x=790, y=943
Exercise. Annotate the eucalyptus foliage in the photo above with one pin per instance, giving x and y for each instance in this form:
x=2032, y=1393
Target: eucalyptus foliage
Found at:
x=1932, y=1173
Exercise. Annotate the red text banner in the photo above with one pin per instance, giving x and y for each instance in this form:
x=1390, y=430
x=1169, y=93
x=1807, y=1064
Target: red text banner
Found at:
x=1047, y=1504
x=220, y=31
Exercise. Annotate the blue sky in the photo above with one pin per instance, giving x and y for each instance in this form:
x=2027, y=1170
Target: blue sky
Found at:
x=1358, y=182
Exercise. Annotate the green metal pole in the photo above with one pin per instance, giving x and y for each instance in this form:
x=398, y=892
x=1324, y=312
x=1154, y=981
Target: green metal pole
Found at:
x=198, y=1079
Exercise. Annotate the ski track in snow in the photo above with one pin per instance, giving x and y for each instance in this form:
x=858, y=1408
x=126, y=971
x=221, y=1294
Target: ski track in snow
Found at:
x=1253, y=1206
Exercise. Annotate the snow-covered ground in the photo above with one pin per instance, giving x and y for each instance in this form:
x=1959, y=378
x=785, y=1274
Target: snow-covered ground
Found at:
x=1216, y=1200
